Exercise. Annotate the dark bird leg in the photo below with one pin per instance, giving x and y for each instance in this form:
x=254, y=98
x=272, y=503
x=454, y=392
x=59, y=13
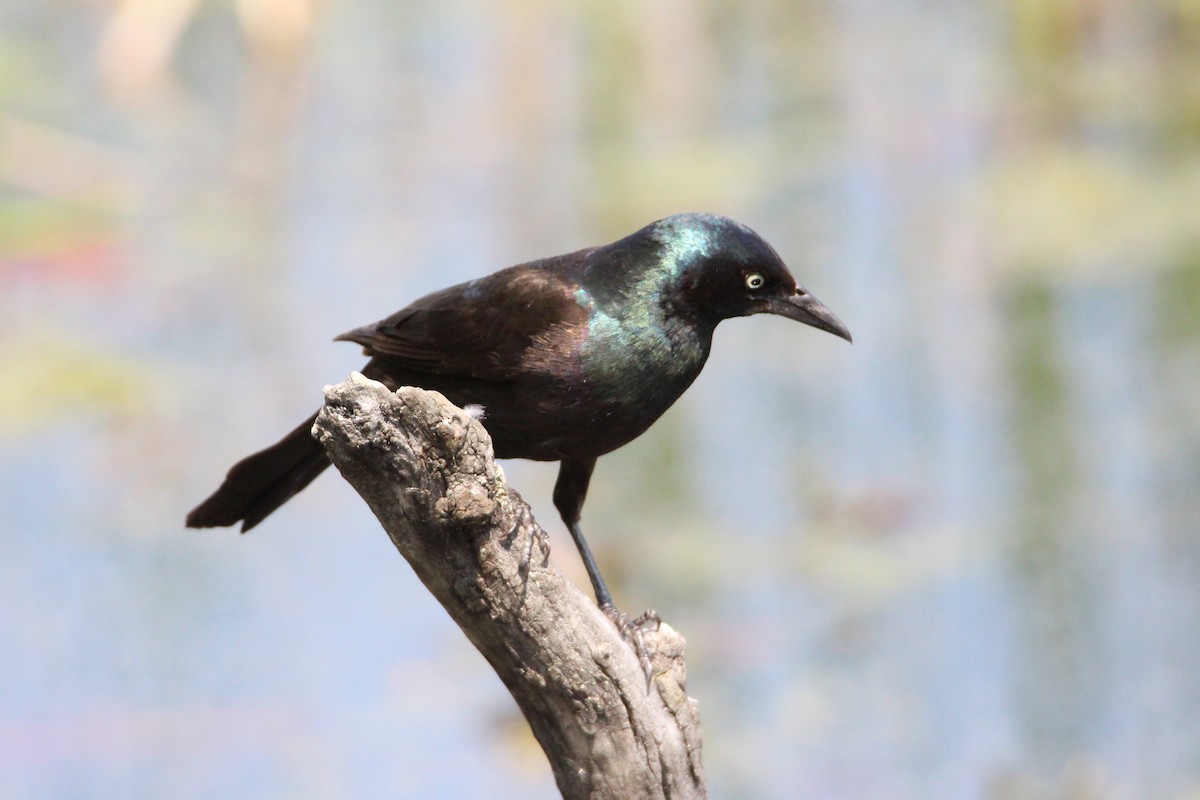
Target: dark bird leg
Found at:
x=569, y=492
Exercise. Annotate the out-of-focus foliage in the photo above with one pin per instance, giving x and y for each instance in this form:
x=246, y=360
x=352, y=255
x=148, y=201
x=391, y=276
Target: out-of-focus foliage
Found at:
x=960, y=559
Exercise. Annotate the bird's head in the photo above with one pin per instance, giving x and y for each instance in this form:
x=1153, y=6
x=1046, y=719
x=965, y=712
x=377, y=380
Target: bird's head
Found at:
x=722, y=269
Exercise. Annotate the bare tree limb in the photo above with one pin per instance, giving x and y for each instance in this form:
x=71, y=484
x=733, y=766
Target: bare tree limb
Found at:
x=426, y=470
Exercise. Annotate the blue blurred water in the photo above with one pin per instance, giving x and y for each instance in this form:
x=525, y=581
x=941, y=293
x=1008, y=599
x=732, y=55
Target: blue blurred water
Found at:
x=958, y=559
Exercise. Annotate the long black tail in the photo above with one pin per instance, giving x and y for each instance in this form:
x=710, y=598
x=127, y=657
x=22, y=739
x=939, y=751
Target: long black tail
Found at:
x=261, y=483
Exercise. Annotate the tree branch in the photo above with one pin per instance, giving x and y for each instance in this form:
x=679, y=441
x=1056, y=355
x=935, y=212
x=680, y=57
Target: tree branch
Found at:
x=426, y=470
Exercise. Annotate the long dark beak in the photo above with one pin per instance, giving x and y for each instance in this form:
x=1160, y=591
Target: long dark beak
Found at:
x=803, y=307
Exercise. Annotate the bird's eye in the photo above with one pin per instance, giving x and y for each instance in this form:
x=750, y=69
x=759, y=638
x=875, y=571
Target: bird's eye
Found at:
x=754, y=281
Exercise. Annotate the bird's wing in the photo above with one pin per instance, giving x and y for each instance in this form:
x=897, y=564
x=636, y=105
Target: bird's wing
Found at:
x=493, y=328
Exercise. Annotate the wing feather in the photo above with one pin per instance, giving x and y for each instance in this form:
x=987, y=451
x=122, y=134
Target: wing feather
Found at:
x=487, y=329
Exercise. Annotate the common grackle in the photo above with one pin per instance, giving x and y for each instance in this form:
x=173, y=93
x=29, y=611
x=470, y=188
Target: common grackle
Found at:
x=569, y=357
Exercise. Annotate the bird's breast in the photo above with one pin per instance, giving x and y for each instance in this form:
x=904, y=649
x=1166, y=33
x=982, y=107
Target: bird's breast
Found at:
x=639, y=367
x=596, y=386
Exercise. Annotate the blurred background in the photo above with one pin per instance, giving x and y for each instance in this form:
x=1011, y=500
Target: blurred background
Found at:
x=960, y=559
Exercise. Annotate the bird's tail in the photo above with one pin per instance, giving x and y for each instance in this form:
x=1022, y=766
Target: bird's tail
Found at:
x=261, y=483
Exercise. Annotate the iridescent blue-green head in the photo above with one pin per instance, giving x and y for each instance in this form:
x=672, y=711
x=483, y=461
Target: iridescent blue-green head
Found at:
x=712, y=268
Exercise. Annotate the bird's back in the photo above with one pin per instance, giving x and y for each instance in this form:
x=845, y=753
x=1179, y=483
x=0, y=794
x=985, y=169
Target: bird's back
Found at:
x=561, y=367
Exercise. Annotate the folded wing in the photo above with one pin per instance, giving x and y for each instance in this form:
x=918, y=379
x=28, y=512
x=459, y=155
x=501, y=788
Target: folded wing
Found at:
x=483, y=329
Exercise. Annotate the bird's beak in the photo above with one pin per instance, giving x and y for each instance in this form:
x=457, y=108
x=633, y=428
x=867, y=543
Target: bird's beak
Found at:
x=803, y=307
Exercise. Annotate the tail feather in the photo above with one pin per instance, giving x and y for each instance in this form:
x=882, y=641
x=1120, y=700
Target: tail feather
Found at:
x=261, y=483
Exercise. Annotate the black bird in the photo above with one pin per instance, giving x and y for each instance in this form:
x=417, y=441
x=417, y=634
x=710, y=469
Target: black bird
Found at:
x=570, y=357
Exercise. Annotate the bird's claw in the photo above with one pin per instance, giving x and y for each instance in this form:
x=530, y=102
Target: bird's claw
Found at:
x=536, y=537
x=633, y=631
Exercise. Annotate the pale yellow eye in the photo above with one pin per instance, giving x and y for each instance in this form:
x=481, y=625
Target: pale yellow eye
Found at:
x=754, y=281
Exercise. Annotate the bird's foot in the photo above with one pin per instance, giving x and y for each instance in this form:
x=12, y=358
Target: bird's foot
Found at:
x=633, y=631
x=535, y=537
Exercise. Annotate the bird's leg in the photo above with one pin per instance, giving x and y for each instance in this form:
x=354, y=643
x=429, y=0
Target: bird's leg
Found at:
x=603, y=597
x=570, y=490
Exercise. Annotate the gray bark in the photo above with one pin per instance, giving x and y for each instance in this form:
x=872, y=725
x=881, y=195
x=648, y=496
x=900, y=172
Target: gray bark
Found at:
x=426, y=470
